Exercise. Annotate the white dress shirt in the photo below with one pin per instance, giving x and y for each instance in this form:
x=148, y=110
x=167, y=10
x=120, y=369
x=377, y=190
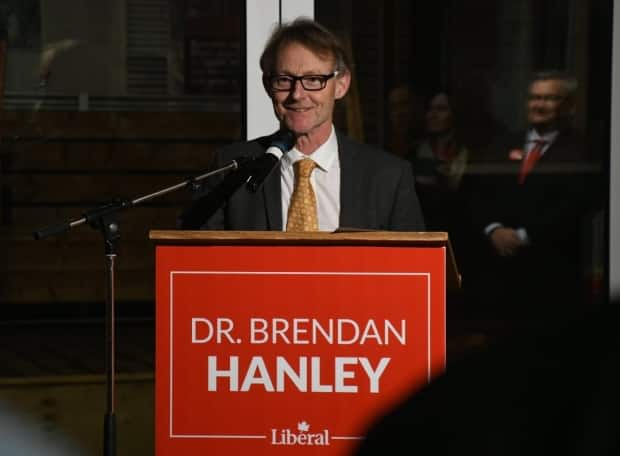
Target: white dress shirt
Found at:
x=325, y=181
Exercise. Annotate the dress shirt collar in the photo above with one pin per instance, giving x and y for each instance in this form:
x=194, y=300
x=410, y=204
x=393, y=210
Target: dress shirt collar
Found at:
x=326, y=156
x=533, y=136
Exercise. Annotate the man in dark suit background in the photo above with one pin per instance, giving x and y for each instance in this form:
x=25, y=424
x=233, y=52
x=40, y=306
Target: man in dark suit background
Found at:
x=530, y=209
x=305, y=70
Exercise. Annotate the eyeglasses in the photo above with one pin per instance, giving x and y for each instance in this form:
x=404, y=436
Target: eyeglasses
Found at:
x=534, y=97
x=310, y=82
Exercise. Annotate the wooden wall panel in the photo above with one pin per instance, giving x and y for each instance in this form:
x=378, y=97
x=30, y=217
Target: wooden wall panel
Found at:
x=74, y=188
x=56, y=166
x=75, y=285
x=104, y=156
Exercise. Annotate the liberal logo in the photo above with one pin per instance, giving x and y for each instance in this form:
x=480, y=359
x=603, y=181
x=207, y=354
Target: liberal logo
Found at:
x=303, y=436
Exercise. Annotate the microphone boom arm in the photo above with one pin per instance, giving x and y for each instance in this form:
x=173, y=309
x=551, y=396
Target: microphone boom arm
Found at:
x=93, y=215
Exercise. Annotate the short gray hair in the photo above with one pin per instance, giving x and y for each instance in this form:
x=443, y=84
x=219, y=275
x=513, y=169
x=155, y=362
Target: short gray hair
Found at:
x=569, y=81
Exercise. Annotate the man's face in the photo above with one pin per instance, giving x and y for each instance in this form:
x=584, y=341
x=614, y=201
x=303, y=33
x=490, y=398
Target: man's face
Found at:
x=300, y=110
x=546, y=105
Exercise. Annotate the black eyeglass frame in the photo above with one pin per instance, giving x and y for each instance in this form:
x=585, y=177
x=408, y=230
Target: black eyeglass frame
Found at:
x=293, y=81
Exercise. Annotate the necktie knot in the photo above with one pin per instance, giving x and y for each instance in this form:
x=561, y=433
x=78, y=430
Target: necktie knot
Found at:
x=305, y=167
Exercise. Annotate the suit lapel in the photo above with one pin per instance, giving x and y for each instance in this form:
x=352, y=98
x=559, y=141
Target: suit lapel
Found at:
x=350, y=185
x=273, y=200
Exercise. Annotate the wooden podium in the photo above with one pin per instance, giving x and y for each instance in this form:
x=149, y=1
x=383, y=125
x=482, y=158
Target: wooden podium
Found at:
x=291, y=343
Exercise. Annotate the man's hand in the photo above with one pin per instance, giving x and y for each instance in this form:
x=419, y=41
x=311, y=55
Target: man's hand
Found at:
x=505, y=241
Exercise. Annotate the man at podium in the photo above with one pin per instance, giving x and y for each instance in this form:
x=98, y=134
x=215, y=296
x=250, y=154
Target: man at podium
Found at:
x=321, y=180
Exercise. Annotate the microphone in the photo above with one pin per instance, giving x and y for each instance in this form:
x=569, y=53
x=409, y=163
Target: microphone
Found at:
x=252, y=171
x=279, y=143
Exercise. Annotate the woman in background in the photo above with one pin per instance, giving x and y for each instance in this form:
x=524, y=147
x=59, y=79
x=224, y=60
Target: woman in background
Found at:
x=439, y=163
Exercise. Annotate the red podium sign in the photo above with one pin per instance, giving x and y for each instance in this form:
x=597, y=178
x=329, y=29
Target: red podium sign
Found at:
x=291, y=347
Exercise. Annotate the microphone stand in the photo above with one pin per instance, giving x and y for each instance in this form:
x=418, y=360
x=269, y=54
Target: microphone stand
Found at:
x=105, y=219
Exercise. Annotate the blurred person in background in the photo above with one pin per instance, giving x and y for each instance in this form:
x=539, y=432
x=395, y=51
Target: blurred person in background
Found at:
x=440, y=161
x=551, y=392
x=530, y=209
x=20, y=435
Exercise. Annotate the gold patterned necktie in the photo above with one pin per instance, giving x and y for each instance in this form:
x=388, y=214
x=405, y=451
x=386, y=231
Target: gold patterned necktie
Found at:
x=302, y=214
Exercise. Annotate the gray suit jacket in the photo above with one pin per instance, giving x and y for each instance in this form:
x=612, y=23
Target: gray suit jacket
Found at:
x=377, y=192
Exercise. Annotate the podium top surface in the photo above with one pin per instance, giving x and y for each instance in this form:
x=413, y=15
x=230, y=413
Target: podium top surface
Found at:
x=316, y=237
x=403, y=238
